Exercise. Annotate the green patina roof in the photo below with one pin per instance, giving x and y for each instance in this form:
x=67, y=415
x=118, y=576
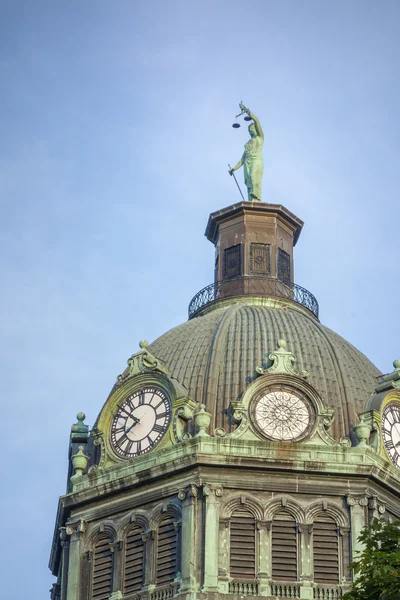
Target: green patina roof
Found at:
x=215, y=356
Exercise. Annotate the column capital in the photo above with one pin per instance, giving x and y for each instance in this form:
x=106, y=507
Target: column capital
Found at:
x=357, y=500
x=188, y=493
x=76, y=529
x=212, y=491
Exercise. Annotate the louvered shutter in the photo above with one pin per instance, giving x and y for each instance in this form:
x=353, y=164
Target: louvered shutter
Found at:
x=326, y=550
x=102, y=569
x=167, y=547
x=243, y=545
x=284, y=548
x=134, y=561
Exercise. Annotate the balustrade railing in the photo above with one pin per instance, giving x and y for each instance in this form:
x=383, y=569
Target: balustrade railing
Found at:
x=164, y=592
x=244, y=588
x=249, y=285
x=285, y=590
x=328, y=593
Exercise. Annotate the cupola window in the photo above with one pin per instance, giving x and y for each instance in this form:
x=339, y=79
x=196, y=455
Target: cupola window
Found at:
x=232, y=262
x=259, y=259
x=284, y=271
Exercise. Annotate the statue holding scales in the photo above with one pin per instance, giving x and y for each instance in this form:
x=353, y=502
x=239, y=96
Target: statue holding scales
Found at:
x=252, y=159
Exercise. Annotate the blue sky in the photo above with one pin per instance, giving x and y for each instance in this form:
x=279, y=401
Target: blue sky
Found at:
x=115, y=139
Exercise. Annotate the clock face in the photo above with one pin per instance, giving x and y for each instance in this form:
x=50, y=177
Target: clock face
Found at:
x=140, y=422
x=283, y=415
x=391, y=432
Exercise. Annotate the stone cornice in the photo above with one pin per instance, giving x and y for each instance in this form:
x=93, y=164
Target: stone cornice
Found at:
x=214, y=453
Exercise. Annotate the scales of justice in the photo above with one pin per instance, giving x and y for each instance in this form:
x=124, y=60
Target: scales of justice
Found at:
x=252, y=160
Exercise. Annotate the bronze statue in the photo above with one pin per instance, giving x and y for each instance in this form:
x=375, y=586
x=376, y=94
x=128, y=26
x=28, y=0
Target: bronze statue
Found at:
x=252, y=159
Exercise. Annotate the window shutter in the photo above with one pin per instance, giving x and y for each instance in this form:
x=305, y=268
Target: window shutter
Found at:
x=102, y=569
x=243, y=545
x=326, y=550
x=134, y=560
x=260, y=259
x=167, y=547
x=284, y=548
x=232, y=262
x=284, y=271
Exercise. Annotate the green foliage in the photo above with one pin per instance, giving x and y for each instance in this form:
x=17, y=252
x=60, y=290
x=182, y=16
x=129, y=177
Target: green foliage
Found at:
x=377, y=569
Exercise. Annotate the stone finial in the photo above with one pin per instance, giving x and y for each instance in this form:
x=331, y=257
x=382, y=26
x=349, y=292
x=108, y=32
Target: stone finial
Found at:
x=391, y=380
x=80, y=431
x=203, y=420
x=79, y=462
x=282, y=362
x=362, y=432
x=142, y=362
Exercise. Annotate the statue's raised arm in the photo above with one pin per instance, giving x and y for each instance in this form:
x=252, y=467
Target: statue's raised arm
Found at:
x=255, y=119
x=252, y=159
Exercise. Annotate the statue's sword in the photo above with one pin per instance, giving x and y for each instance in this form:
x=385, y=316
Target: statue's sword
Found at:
x=234, y=176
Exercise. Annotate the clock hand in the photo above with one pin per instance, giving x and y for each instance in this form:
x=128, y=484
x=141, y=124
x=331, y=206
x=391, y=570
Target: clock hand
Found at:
x=135, y=422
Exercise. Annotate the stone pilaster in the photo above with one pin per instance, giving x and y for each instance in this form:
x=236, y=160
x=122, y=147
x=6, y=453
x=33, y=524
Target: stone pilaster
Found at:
x=64, y=541
x=76, y=531
x=223, y=555
x=358, y=518
x=306, y=560
x=149, y=562
x=344, y=554
x=211, y=499
x=188, y=497
x=264, y=558
x=117, y=549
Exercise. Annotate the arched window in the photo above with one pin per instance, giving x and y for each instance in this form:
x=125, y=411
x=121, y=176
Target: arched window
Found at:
x=167, y=549
x=284, y=547
x=102, y=569
x=134, y=560
x=242, y=545
x=326, y=550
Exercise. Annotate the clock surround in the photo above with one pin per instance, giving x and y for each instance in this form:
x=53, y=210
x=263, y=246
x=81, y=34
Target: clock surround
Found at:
x=281, y=413
x=391, y=431
x=140, y=422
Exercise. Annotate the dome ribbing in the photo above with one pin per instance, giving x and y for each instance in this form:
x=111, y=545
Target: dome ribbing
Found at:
x=215, y=357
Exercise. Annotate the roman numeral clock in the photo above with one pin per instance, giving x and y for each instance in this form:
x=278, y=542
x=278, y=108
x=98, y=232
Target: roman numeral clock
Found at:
x=391, y=431
x=140, y=422
x=145, y=411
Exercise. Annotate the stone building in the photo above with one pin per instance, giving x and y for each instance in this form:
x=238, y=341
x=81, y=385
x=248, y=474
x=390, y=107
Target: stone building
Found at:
x=239, y=454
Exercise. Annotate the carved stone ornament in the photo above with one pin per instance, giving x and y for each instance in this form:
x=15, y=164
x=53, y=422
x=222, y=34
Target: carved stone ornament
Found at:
x=219, y=432
x=283, y=362
x=215, y=489
x=98, y=440
x=188, y=492
x=203, y=420
x=375, y=503
x=142, y=362
x=148, y=535
x=76, y=527
x=184, y=411
x=357, y=500
x=362, y=432
x=55, y=592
